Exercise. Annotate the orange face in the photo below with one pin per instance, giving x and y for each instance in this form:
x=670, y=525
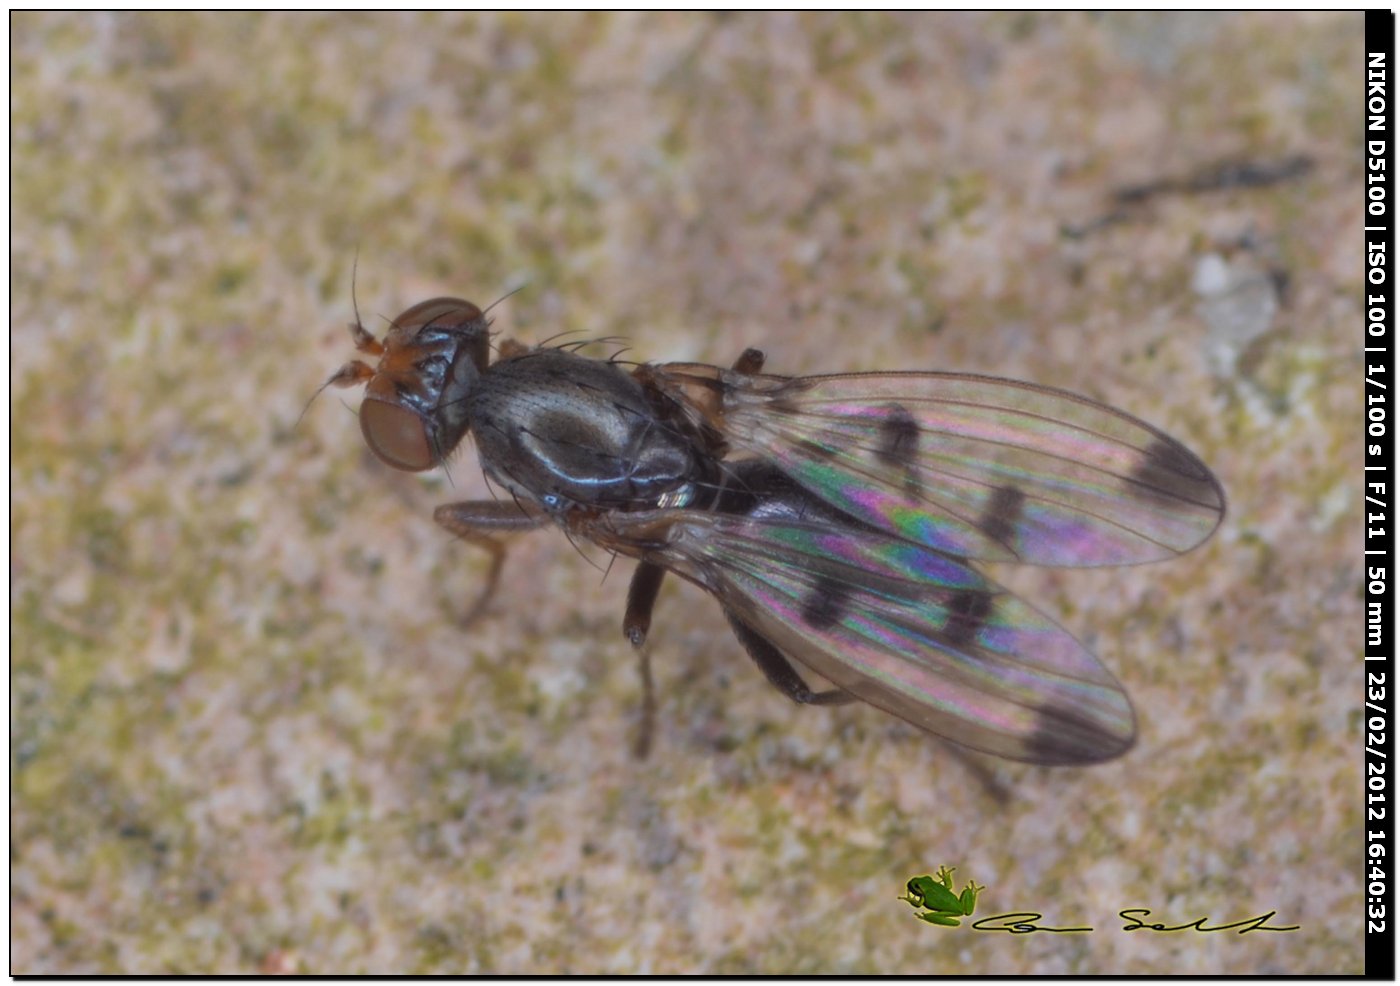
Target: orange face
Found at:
x=414, y=411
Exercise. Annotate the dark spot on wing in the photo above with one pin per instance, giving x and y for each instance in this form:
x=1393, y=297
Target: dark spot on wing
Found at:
x=815, y=450
x=899, y=446
x=825, y=604
x=1002, y=516
x=1064, y=736
x=899, y=436
x=968, y=611
x=1168, y=471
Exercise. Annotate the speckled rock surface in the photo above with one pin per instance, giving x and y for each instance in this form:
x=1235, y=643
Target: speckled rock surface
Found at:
x=246, y=732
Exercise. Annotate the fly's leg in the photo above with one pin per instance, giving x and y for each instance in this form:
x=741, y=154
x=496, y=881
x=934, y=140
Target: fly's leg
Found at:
x=636, y=622
x=646, y=580
x=641, y=749
x=978, y=766
x=779, y=670
x=641, y=597
x=749, y=361
x=475, y=521
x=783, y=676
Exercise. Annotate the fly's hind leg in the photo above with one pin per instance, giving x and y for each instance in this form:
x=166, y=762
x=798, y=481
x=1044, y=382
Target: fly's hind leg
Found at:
x=749, y=361
x=779, y=670
x=475, y=521
x=783, y=676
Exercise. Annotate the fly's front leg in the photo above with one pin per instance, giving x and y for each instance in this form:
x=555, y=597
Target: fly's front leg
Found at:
x=475, y=521
x=779, y=670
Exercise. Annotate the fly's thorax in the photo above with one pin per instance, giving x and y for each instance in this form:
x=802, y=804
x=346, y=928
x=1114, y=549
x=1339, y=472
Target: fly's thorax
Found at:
x=415, y=410
x=564, y=431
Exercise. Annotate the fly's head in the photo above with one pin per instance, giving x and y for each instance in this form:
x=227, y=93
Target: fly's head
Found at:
x=414, y=411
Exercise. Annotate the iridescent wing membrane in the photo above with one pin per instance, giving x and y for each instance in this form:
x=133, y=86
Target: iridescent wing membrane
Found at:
x=951, y=467
x=912, y=631
x=980, y=467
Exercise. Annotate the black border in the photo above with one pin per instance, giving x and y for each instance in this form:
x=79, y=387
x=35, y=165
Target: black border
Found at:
x=1379, y=363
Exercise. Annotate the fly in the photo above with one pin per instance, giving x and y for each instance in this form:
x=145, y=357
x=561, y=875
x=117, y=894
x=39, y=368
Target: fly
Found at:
x=836, y=519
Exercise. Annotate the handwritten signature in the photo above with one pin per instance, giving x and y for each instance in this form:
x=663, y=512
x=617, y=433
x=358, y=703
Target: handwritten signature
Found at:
x=1026, y=923
x=937, y=900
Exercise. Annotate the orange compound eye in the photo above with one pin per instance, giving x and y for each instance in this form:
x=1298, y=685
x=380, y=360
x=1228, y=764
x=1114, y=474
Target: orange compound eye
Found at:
x=397, y=435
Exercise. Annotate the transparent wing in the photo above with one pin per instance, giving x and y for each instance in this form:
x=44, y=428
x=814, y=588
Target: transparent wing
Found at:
x=977, y=466
x=907, y=629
